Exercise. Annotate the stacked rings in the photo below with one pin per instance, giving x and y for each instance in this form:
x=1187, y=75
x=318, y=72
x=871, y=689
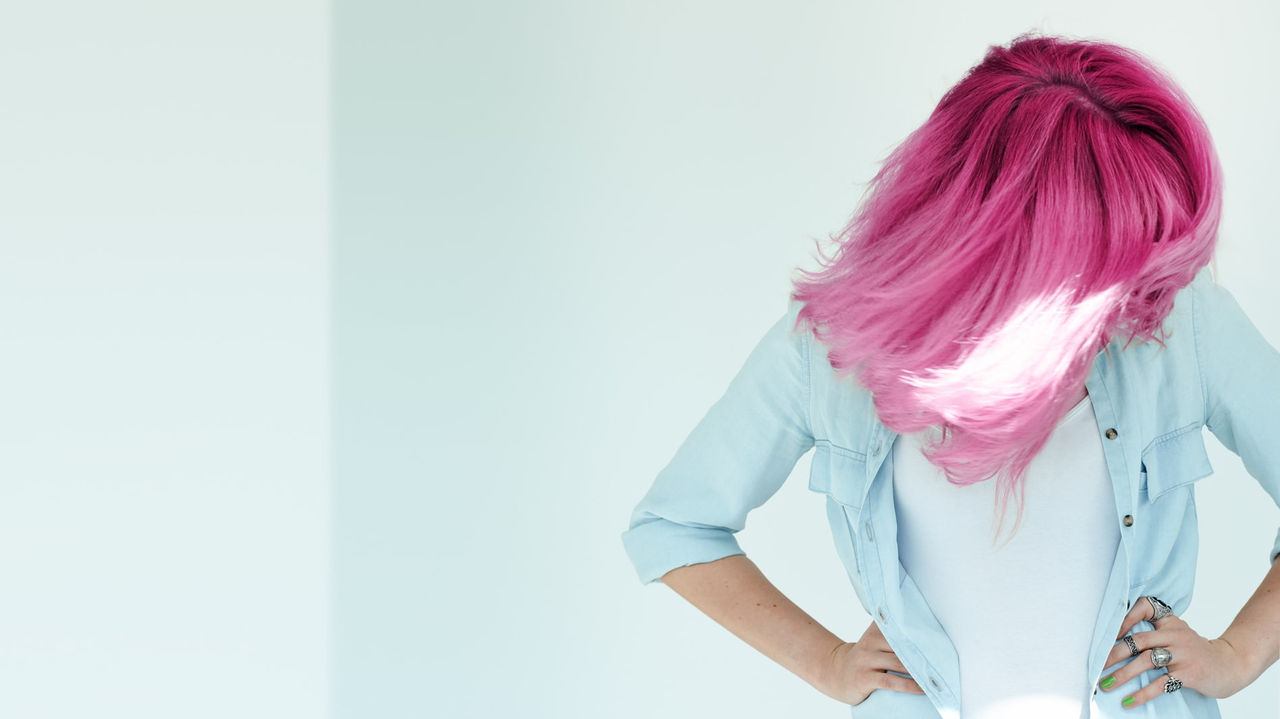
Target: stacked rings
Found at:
x=1161, y=656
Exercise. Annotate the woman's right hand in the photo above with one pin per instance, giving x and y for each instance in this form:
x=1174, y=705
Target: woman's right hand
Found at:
x=855, y=669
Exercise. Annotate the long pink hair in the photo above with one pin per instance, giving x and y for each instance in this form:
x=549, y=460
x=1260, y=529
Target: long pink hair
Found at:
x=1061, y=193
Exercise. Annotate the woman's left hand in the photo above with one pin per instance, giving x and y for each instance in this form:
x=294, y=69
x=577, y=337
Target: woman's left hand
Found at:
x=1210, y=666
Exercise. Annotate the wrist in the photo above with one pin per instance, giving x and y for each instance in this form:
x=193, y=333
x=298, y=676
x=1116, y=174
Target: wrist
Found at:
x=825, y=670
x=1249, y=661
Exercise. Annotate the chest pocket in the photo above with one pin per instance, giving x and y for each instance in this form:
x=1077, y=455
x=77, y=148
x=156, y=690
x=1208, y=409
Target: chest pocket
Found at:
x=1173, y=461
x=839, y=473
x=841, y=476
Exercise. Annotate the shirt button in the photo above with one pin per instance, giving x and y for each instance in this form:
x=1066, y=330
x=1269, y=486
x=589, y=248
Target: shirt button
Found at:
x=1128, y=520
x=881, y=613
x=1111, y=433
x=934, y=682
x=1126, y=603
x=867, y=526
x=876, y=452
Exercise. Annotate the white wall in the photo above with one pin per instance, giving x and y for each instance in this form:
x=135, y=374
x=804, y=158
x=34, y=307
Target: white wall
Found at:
x=163, y=359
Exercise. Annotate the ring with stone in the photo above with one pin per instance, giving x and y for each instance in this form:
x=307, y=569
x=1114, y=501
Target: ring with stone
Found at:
x=1161, y=656
x=1172, y=685
x=1161, y=609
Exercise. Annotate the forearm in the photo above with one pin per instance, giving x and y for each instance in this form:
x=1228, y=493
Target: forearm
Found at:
x=735, y=593
x=1255, y=633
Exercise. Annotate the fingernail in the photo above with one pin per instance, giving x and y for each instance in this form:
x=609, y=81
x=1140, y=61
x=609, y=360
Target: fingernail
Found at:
x=1128, y=701
x=1108, y=682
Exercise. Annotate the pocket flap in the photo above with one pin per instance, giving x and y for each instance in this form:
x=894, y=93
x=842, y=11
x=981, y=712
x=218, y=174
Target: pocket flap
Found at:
x=1176, y=460
x=838, y=473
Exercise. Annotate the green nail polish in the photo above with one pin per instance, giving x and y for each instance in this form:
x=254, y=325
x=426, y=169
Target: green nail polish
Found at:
x=1128, y=701
x=1108, y=682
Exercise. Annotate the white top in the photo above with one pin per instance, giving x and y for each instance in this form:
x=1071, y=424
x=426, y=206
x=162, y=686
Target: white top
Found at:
x=1021, y=613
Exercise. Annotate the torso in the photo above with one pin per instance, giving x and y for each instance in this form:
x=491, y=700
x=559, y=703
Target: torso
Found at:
x=1020, y=614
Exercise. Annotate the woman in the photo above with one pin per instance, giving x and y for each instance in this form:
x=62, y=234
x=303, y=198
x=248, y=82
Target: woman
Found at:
x=1020, y=311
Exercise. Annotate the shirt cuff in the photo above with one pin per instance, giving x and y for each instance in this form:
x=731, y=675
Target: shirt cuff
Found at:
x=658, y=546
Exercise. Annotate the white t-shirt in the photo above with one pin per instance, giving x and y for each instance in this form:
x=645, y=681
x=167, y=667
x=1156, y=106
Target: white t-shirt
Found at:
x=1020, y=614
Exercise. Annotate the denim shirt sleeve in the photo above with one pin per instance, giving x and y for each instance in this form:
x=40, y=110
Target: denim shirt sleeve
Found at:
x=734, y=460
x=1240, y=378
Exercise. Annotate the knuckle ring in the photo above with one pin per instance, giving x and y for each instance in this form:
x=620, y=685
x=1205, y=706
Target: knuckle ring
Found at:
x=1133, y=646
x=1160, y=609
x=1172, y=685
x=1161, y=656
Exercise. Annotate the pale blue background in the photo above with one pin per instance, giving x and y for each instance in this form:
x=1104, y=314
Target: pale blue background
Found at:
x=163, y=359
x=339, y=342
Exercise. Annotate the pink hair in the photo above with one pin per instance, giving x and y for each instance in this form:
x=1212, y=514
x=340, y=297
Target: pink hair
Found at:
x=1061, y=193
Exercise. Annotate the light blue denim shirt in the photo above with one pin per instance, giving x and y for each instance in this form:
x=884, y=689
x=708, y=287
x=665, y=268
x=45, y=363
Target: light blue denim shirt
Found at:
x=1216, y=370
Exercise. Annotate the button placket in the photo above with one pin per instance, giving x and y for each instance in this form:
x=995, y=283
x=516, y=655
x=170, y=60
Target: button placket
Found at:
x=1112, y=433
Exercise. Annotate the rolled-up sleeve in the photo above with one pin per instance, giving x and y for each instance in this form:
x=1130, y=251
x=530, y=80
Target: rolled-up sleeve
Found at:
x=1240, y=376
x=734, y=460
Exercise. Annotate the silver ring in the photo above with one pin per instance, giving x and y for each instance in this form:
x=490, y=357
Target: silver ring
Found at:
x=1161, y=656
x=1133, y=646
x=1161, y=609
x=1172, y=685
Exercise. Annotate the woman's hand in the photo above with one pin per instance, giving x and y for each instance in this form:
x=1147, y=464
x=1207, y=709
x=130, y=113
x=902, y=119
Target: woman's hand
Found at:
x=1210, y=666
x=855, y=669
